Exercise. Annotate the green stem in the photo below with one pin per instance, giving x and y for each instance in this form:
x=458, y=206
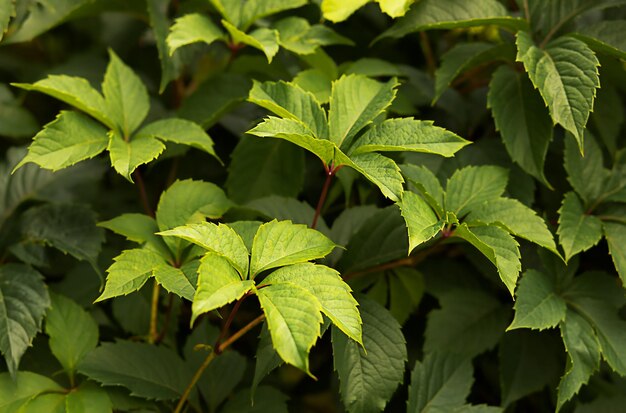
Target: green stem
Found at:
x=154, y=314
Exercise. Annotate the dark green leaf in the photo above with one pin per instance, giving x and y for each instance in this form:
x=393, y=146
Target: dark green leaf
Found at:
x=538, y=304
x=577, y=230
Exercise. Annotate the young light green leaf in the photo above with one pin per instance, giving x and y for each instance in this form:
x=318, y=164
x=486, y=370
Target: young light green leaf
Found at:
x=427, y=183
x=70, y=138
x=408, y=134
x=474, y=322
x=586, y=174
x=7, y=10
x=339, y=10
x=257, y=169
x=293, y=317
x=126, y=156
x=131, y=364
x=615, y=235
x=179, y=131
x=329, y=289
x=74, y=91
x=516, y=218
x=498, y=246
x=130, y=271
x=73, y=332
x=472, y=186
x=466, y=56
x=243, y=15
x=17, y=391
x=138, y=228
x=453, y=14
x=296, y=132
x=605, y=37
x=298, y=36
x=566, y=73
x=220, y=239
x=263, y=39
x=522, y=119
x=355, y=101
x=192, y=28
x=291, y=102
x=23, y=303
x=380, y=170
x=538, y=304
x=125, y=95
x=368, y=380
x=440, y=381
x=577, y=230
x=174, y=281
x=421, y=221
x=279, y=243
x=583, y=352
x=218, y=284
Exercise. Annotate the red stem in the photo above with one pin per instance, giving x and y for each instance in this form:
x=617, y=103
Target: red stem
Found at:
x=330, y=172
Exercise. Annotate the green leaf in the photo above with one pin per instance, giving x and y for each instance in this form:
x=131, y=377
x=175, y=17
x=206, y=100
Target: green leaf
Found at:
x=474, y=322
x=453, y=14
x=192, y=28
x=291, y=102
x=74, y=91
x=17, y=122
x=421, y=221
x=23, y=302
x=218, y=284
x=339, y=10
x=498, y=246
x=280, y=243
x=516, y=218
x=466, y=56
x=529, y=361
x=174, y=281
x=220, y=239
x=68, y=139
x=68, y=228
x=381, y=171
x=263, y=39
x=538, y=304
x=138, y=228
x=282, y=209
x=126, y=156
x=73, y=332
x=583, y=352
x=130, y=271
x=472, y=186
x=215, y=97
x=243, y=15
x=605, y=37
x=297, y=133
x=355, y=101
x=17, y=391
x=126, y=96
x=615, y=235
x=261, y=167
x=221, y=377
x=586, y=173
x=298, y=36
x=179, y=131
x=266, y=359
x=577, y=230
x=7, y=10
x=329, y=289
x=88, y=397
x=407, y=134
x=316, y=82
x=368, y=380
x=293, y=318
x=566, y=73
x=522, y=119
x=440, y=381
x=605, y=118
x=132, y=365
x=426, y=183
x=170, y=64
x=268, y=400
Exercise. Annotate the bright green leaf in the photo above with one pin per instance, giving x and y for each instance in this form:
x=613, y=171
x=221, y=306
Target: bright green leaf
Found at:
x=126, y=156
x=70, y=138
x=179, y=131
x=538, y=304
x=472, y=186
x=566, y=73
x=174, y=281
x=424, y=181
x=316, y=82
x=263, y=39
x=381, y=171
x=522, y=119
x=293, y=318
x=421, y=221
x=368, y=378
x=23, y=302
x=7, y=10
x=298, y=36
x=17, y=391
x=243, y=15
x=577, y=230
x=279, y=243
x=138, y=228
x=192, y=28
x=329, y=289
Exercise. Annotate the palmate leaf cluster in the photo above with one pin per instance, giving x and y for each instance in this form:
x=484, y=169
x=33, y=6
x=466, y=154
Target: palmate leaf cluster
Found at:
x=293, y=205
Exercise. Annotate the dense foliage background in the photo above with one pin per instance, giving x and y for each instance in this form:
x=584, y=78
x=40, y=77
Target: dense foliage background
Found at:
x=213, y=185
